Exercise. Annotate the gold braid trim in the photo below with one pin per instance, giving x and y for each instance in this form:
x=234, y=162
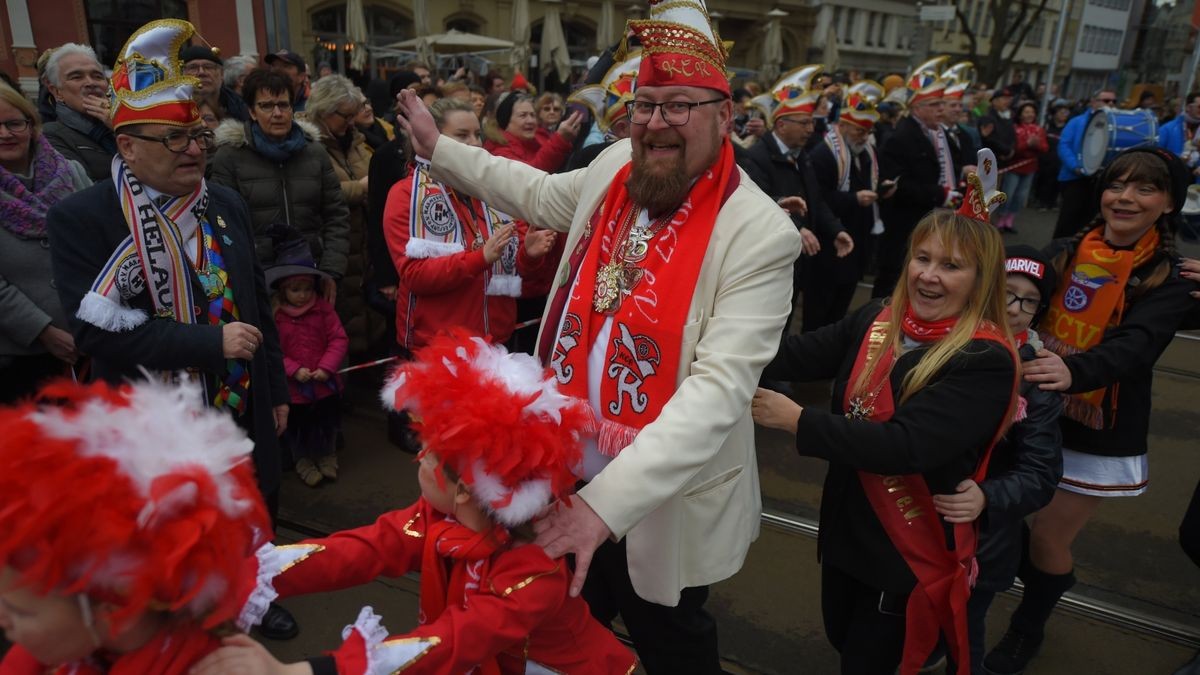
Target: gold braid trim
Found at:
x=664, y=37
x=522, y=584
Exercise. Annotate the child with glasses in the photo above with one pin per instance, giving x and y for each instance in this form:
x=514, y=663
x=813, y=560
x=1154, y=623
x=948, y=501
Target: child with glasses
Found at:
x=1025, y=465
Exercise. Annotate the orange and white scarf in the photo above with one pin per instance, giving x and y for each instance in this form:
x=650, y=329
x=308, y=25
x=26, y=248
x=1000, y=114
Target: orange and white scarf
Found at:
x=1091, y=301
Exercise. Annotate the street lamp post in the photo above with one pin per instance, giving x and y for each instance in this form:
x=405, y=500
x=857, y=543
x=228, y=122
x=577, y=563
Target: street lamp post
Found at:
x=1064, y=15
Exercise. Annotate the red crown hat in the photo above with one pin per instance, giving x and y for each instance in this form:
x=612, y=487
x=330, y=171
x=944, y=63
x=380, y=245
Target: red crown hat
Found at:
x=139, y=496
x=497, y=419
x=680, y=47
x=859, y=106
x=148, y=84
x=925, y=81
x=519, y=83
x=982, y=197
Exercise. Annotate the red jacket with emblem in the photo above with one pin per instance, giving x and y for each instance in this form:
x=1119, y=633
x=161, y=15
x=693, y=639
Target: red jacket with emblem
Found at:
x=518, y=613
x=446, y=292
x=549, y=156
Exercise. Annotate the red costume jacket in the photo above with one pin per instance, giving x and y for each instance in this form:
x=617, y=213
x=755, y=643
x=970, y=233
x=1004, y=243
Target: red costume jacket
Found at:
x=515, y=608
x=549, y=156
x=435, y=294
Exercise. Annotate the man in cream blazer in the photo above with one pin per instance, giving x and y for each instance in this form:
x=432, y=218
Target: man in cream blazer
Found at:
x=677, y=508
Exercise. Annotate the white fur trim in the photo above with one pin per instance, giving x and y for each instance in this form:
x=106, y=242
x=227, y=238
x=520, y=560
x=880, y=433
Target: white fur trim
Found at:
x=527, y=499
x=387, y=395
x=165, y=429
x=508, y=285
x=423, y=248
x=272, y=561
x=108, y=315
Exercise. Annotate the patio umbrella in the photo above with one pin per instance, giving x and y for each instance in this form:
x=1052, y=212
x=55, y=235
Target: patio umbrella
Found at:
x=356, y=33
x=830, y=55
x=554, y=45
x=520, y=35
x=453, y=42
x=772, y=49
x=421, y=18
x=605, y=29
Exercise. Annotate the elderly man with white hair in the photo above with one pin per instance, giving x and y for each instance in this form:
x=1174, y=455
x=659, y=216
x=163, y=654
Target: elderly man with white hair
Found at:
x=80, y=90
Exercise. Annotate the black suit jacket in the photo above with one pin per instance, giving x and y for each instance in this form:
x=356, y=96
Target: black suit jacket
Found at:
x=777, y=176
x=908, y=157
x=87, y=227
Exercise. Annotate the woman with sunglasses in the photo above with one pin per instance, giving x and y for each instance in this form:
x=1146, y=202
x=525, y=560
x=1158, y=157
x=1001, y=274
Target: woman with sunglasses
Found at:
x=34, y=340
x=286, y=177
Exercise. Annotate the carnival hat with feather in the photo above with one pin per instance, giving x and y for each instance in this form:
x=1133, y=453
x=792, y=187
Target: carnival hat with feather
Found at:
x=140, y=496
x=959, y=78
x=497, y=419
x=925, y=81
x=148, y=84
x=859, y=107
x=606, y=100
x=791, y=94
x=680, y=47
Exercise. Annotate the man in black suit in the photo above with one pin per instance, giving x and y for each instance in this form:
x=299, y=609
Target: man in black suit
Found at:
x=171, y=283
x=919, y=158
x=780, y=166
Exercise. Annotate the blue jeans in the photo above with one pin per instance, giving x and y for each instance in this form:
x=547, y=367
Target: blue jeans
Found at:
x=1017, y=188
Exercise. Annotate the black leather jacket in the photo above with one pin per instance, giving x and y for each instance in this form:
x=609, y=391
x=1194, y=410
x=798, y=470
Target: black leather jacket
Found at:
x=1024, y=471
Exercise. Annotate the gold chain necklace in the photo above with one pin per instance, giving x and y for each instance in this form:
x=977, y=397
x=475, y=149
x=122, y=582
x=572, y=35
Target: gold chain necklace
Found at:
x=618, y=277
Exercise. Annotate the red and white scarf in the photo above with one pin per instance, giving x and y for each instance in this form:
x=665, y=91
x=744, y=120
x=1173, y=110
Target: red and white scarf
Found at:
x=941, y=147
x=842, y=155
x=641, y=361
x=436, y=217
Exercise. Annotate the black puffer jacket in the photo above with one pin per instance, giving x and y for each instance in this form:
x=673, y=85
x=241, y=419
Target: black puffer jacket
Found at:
x=303, y=192
x=1022, y=475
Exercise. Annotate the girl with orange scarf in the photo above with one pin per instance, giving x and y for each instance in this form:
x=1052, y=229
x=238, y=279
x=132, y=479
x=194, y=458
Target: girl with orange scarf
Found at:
x=1119, y=302
x=923, y=387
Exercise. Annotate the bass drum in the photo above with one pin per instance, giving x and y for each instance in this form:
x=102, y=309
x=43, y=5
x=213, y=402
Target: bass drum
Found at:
x=1110, y=131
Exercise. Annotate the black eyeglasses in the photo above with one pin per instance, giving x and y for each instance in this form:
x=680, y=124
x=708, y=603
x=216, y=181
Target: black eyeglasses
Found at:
x=179, y=141
x=16, y=126
x=1108, y=101
x=674, y=113
x=348, y=116
x=1029, y=306
x=271, y=106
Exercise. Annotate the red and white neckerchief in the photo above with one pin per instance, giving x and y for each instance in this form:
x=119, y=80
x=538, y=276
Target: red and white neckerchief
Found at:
x=941, y=148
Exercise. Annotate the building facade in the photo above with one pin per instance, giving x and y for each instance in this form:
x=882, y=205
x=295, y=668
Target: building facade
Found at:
x=874, y=37
x=1102, y=45
x=29, y=28
x=1031, y=61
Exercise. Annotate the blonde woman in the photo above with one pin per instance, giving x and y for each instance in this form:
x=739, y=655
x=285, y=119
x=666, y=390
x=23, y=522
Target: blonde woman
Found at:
x=923, y=385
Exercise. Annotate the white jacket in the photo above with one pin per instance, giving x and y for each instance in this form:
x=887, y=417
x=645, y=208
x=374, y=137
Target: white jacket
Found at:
x=685, y=494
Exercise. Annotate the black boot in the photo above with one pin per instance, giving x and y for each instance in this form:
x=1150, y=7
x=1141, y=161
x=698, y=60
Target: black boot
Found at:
x=278, y=624
x=1027, y=627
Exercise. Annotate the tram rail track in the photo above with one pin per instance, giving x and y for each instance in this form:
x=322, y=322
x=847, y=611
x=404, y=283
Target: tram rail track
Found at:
x=1072, y=603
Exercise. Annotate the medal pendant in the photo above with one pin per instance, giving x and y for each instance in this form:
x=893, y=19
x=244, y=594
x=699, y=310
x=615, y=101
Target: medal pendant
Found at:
x=608, y=287
x=639, y=245
x=859, y=409
x=213, y=286
x=476, y=245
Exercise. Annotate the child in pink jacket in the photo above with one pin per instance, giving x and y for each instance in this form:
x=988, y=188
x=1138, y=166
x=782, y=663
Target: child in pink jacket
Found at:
x=314, y=345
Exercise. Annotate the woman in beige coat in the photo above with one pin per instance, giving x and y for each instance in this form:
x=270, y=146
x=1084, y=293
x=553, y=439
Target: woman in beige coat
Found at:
x=332, y=106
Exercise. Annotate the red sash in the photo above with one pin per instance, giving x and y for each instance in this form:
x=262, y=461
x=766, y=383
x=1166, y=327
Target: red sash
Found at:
x=904, y=506
x=642, y=356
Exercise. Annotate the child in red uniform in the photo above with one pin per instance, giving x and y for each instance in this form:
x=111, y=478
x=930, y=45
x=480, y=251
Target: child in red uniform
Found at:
x=130, y=517
x=499, y=444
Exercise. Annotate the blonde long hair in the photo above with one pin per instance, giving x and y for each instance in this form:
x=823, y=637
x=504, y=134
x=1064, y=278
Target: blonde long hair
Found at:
x=976, y=242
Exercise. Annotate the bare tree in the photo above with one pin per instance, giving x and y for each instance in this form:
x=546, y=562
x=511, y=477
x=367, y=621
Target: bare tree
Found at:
x=1011, y=22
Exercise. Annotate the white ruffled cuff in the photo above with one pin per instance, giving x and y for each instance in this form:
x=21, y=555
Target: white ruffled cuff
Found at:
x=505, y=284
x=272, y=561
x=385, y=656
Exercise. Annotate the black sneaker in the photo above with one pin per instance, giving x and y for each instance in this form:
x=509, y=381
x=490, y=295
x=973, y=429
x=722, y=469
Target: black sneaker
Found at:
x=1014, y=651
